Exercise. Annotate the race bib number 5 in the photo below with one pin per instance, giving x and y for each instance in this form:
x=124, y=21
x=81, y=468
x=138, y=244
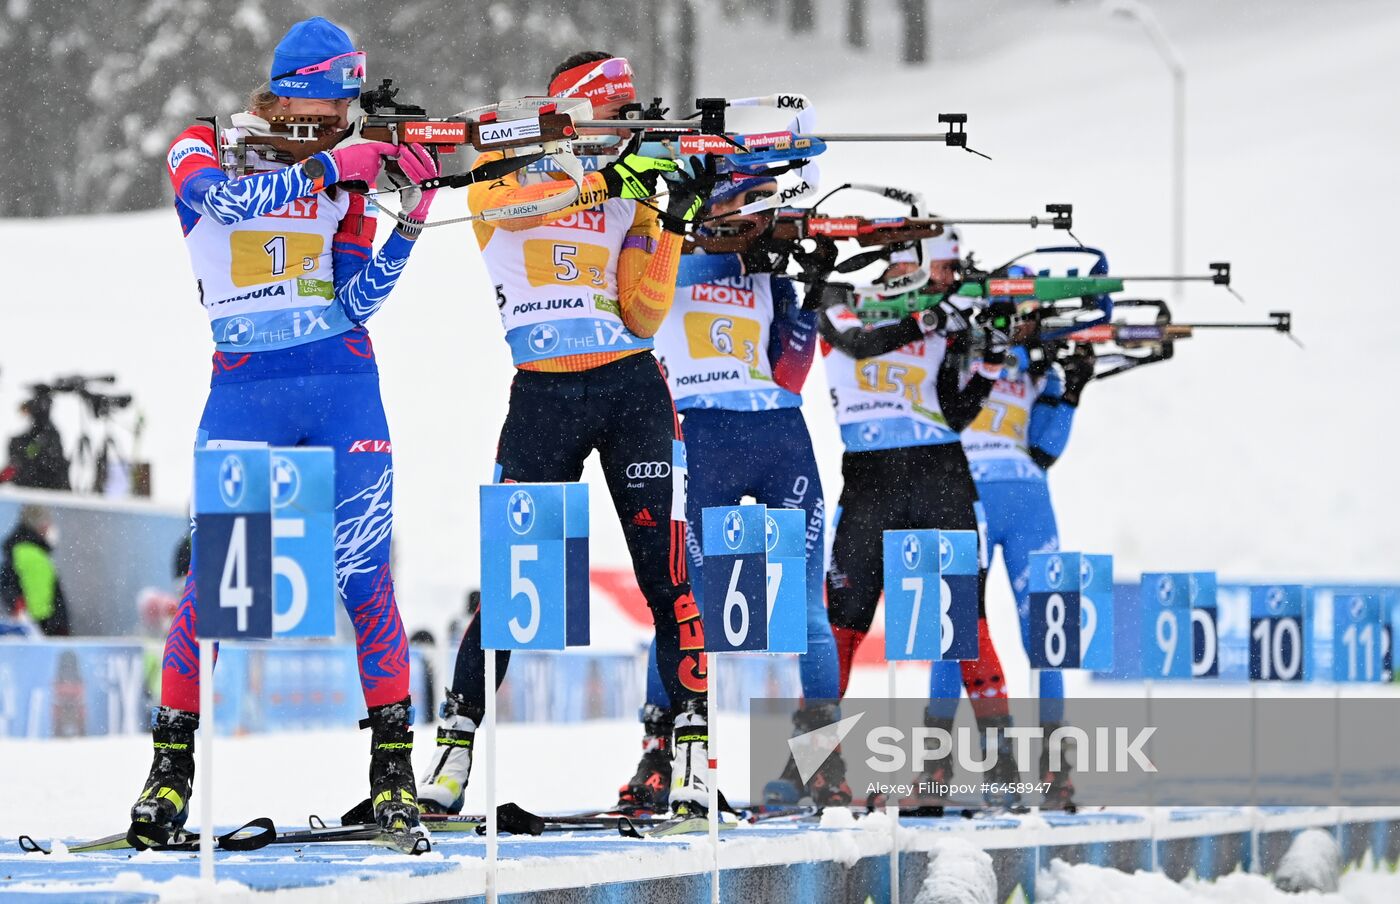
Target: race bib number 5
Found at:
x=554, y=263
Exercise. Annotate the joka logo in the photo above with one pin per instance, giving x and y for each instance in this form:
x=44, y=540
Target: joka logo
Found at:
x=1055, y=571
x=543, y=339
x=733, y=530
x=1086, y=571
x=911, y=550
x=233, y=483
x=1166, y=589
x=589, y=220
x=298, y=209
x=286, y=481
x=1274, y=599
x=792, y=102
x=520, y=512
x=945, y=552
x=810, y=750
x=770, y=533
x=372, y=445
x=718, y=294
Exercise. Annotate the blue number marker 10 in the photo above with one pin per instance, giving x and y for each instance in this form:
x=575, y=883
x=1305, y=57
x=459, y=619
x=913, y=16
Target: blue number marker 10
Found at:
x=1277, y=633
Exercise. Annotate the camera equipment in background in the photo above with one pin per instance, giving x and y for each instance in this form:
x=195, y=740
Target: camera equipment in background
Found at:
x=106, y=441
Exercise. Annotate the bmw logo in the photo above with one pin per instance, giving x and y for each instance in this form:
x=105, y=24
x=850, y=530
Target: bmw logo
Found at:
x=543, y=338
x=911, y=550
x=1358, y=608
x=772, y=533
x=238, y=331
x=733, y=529
x=286, y=481
x=520, y=512
x=1055, y=571
x=870, y=432
x=1086, y=572
x=945, y=552
x=1274, y=599
x=1166, y=589
x=233, y=483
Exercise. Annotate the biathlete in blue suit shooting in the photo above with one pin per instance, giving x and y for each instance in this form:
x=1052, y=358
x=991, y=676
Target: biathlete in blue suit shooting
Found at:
x=1022, y=429
x=285, y=267
x=736, y=349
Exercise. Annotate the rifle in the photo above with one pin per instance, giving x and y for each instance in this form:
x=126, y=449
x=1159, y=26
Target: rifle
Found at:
x=1120, y=346
x=1060, y=305
x=793, y=224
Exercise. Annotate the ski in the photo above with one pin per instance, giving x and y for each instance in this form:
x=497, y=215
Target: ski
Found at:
x=250, y=836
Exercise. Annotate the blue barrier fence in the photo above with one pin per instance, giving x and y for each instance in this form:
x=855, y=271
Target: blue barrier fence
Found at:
x=61, y=689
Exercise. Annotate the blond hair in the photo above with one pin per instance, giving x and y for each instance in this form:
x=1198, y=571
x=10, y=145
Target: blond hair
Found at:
x=262, y=100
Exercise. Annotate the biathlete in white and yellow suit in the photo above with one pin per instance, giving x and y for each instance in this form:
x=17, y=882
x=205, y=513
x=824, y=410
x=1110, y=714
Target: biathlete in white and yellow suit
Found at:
x=581, y=293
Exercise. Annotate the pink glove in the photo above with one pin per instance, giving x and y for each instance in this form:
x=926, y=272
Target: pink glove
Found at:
x=361, y=162
x=418, y=165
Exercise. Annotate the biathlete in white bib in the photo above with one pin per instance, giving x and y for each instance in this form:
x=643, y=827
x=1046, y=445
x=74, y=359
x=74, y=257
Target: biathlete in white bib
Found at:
x=286, y=269
x=581, y=294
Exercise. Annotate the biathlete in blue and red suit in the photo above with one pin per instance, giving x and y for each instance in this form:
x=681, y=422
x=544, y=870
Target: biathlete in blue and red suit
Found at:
x=286, y=269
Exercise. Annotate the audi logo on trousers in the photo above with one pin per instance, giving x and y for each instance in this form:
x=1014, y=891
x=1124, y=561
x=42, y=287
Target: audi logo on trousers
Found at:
x=639, y=470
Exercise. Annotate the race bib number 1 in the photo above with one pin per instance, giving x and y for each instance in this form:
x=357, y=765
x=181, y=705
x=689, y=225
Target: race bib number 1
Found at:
x=233, y=543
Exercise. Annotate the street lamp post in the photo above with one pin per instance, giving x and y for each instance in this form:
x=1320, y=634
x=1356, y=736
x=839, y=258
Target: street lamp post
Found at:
x=1144, y=16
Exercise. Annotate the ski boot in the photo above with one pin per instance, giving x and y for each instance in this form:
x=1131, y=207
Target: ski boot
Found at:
x=930, y=797
x=164, y=803
x=391, y=789
x=446, y=785
x=649, y=790
x=1001, y=778
x=690, y=789
x=1060, y=794
x=828, y=784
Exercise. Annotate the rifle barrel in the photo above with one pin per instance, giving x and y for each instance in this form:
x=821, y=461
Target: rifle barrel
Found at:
x=694, y=128
x=1164, y=278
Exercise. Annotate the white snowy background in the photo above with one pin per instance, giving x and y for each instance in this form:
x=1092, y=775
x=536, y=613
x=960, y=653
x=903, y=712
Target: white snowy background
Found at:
x=1245, y=454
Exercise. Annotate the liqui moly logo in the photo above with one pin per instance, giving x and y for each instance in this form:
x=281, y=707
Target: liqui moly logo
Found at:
x=507, y=132
x=589, y=220
x=1011, y=287
x=372, y=445
x=299, y=209
x=833, y=226
x=433, y=132
x=723, y=294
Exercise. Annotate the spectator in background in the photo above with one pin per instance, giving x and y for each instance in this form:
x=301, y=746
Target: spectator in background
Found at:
x=28, y=579
x=36, y=455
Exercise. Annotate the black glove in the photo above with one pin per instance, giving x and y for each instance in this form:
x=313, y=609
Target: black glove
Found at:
x=767, y=254
x=1079, y=370
x=816, y=265
x=997, y=322
x=688, y=194
x=824, y=295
